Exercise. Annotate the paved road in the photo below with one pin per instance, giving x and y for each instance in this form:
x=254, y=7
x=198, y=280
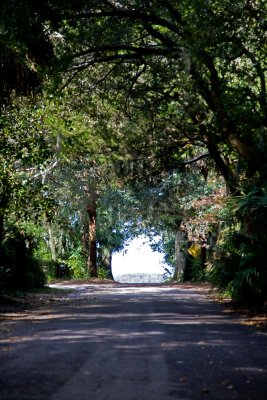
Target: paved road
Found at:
x=133, y=343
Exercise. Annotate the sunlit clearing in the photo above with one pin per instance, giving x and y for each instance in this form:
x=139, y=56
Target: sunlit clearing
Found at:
x=137, y=262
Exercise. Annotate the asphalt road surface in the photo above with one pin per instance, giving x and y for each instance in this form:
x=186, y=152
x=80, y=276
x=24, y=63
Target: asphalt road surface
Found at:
x=132, y=343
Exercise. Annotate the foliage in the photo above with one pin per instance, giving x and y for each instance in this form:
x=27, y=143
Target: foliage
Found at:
x=192, y=71
x=25, y=155
x=78, y=264
x=240, y=256
x=194, y=271
x=25, y=49
x=103, y=273
x=19, y=267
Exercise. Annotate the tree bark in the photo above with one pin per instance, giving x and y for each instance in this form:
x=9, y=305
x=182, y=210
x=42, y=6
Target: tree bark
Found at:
x=1, y=236
x=223, y=167
x=225, y=170
x=52, y=244
x=1, y=228
x=179, y=256
x=92, y=259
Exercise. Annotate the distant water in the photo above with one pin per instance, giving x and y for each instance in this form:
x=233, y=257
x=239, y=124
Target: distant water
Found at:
x=139, y=278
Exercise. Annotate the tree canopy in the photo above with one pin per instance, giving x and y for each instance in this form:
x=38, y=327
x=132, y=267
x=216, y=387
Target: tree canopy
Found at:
x=198, y=66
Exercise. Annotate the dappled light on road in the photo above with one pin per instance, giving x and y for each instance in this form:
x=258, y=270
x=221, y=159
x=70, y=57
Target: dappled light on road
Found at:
x=134, y=343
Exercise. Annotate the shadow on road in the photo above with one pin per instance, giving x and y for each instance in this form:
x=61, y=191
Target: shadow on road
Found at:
x=133, y=343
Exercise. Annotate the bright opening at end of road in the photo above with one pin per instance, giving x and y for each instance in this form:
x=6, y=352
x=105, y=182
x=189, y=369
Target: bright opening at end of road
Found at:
x=137, y=257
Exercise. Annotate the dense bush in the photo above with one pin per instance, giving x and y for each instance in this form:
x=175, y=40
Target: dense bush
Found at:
x=19, y=269
x=77, y=264
x=239, y=259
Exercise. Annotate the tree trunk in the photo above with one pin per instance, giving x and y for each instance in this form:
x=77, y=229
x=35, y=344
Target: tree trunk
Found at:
x=179, y=256
x=1, y=236
x=108, y=264
x=1, y=228
x=52, y=243
x=225, y=170
x=92, y=265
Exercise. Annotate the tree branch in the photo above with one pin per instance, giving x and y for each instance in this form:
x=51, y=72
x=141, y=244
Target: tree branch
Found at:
x=261, y=75
x=133, y=15
x=133, y=51
x=195, y=159
x=158, y=35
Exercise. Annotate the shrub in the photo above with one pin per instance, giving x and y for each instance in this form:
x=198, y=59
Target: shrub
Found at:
x=193, y=270
x=19, y=268
x=34, y=276
x=77, y=264
x=103, y=273
x=239, y=260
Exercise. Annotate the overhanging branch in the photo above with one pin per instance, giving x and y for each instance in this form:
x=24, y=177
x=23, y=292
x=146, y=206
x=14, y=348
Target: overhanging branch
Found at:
x=133, y=15
x=195, y=159
x=131, y=51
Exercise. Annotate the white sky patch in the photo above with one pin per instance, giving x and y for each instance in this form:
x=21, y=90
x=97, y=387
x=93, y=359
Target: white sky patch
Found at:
x=137, y=257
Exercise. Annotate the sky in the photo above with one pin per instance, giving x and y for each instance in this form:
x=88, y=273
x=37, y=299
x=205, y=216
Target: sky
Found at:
x=137, y=256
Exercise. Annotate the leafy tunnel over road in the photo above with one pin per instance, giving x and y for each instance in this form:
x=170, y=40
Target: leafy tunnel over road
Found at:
x=133, y=342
